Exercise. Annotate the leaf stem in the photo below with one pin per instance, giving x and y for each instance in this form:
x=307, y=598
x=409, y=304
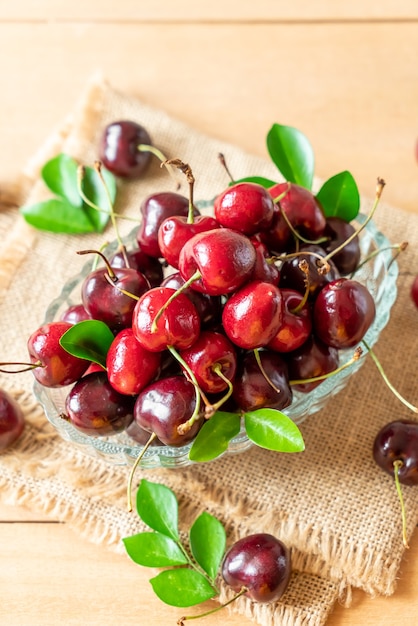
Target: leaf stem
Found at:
x=396, y=467
x=241, y=592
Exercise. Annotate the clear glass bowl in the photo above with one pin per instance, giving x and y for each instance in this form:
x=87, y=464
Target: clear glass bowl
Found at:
x=379, y=275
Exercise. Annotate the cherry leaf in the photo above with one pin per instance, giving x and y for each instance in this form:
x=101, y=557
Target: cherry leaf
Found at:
x=292, y=154
x=157, y=506
x=57, y=215
x=89, y=340
x=182, y=587
x=339, y=197
x=154, y=550
x=95, y=191
x=260, y=180
x=272, y=429
x=60, y=176
x=207, y=542
x=214, y=436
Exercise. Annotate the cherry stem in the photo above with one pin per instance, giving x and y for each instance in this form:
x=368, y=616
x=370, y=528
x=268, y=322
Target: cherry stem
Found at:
x=211, y=409
x=398, y=247
x=142, y=147
x=241, y=592
x=133, y=470
x=379, y=189
x=357, y=354
x=303, y=266
x=185, y=286
x=387, y=381
x=187, y=171
x=110, y=273
x=28, y=367
x=184, y=428
x=295, y=233
x=323, y=268
x=263, y=371
x=396, y=467
x=222, y=159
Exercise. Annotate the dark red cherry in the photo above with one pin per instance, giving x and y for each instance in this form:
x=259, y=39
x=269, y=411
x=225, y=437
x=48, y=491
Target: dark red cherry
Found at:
x=129, y=366
x=178, y=325
x=414, y=291
x=57, y=367
x=224, y=259
x=118, y=149
x=163, y=406
x=253, y=315
x=312, y=359
x=343, y=312
x=74, y=314
x=255, y=388
x=296, y=324
x=292, y=277
x=398, y=441
x=95, y=408
x=12, y=420
x=208, y=307
x=140, y=435
x=264, y=268
x=175, y=231
x=260, y=563
x=338, y=231
x=150, y=267
x=302, y=209
x=246, y=207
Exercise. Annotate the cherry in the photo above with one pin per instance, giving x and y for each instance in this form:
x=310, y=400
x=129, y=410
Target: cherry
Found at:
x=337, y=232
x=208, y=307
x=95, y=408
x=343, y=312
x=264, y=268
x=140, y=435
x=118, y=149
x=53, y=366
x=218, y=261
x=154, y=210
x=398, y=441
x=75, y=313
x=256, y=387
x=246, y=207
x=178, y=324
x=211, y=353
x=292, y=277
x=12, y=420
x=175, y=231
x=129, y=366
x=163, y=406
x=414, y=291
x=253, y=315
x=150, y=267
x=259, y=563
x=296, y=324
x=313, y=359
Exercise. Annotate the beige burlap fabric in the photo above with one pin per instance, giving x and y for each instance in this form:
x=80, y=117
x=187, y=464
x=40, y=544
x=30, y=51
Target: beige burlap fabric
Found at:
x=331, y=504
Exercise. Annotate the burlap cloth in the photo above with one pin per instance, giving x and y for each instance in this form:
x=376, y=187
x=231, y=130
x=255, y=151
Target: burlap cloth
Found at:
x=331, y=504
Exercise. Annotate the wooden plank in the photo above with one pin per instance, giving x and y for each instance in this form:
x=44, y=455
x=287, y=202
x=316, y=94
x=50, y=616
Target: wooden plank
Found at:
x=217, y=10
x=352, y=89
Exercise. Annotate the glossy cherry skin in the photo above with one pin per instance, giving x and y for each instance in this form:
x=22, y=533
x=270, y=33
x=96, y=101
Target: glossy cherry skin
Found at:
x=104, y=300
x=12, y=420
x=261, y=563
x=296, y=326
x=95, y=408
x=247, y=207
x=154, y=210
x=338, y=231
x=292, y=277
x=175, y=231
x=118, y=149
x=398, y=441
x=163, y=406
x=130, y=367
x=140, y=435
x=209, y=350
x=264, y=269
x=302, y=209
x=224, y=258
x=178, y=326
x=253, y=315
x=414, y=291
x=251, y=388
x=208, y=307
x=74, y=314
x=312, y=359
x=150, y=267
x=58, y=367
x=343, y=312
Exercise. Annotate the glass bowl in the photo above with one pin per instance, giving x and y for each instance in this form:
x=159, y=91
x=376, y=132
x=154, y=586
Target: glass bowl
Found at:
x=379, y=274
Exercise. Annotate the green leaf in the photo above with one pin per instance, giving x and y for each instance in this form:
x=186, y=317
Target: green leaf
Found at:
x=157, y=506
x=272, y=429
x=57, y=216
x=214, y=436
x=339, y=197
x=292, y=154
x=89, y=340
x=207, y=541
x=154, y=550
x=95, y=191
x=182, y=587
x=260, y=180
x=60, y=176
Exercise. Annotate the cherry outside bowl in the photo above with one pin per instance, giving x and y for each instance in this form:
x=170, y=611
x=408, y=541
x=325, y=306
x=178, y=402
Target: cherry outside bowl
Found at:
x=379, y=274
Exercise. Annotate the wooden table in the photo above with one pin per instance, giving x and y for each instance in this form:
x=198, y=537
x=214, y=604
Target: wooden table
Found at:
x=344, y=73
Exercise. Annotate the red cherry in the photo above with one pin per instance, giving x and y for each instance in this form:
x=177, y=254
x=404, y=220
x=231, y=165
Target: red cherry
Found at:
x=119, y=152
x=246, y=207
x=312, y=359
x=264, y=268
x=414, y=291
x=296, y=324
x=175, y=231
x=12, y=420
